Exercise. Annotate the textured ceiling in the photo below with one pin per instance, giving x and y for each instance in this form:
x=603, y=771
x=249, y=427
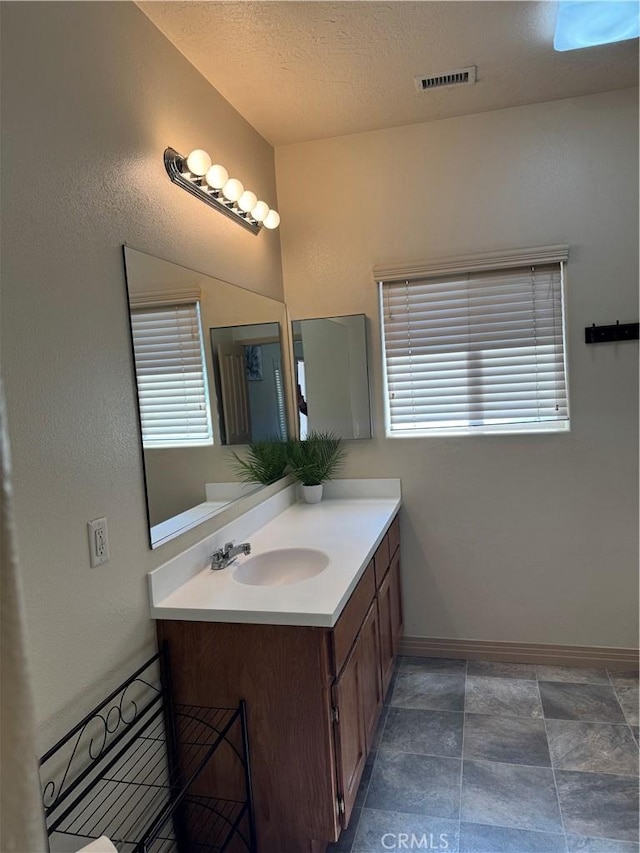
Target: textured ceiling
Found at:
x=299, y=71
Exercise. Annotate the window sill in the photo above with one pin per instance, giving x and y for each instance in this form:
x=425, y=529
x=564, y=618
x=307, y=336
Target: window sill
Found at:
x=507, y=429
x=178, y=444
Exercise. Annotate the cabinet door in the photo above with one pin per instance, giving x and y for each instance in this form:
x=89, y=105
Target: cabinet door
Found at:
x=369, y=642
x=397, y=619
x=349, y=730
x=385, y=609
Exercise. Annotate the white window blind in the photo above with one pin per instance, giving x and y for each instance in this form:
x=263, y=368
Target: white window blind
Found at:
x=171, y=376
x=475, y=352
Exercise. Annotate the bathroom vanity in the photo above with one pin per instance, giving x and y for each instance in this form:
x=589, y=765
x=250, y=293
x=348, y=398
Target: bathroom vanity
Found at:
x=311, y=658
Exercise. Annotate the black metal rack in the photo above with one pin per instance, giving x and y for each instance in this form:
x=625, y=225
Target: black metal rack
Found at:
x=132, y=770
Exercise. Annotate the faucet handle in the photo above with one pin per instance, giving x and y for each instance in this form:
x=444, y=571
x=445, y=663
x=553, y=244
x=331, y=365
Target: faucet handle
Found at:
x=217, y=559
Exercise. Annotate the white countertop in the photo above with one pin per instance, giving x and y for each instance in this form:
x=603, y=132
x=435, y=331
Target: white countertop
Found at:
x=347, y=529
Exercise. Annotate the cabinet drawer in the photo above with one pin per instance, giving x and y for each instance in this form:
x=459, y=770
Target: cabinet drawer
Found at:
x=394, y=536
x=352, y=617
x=381, y=560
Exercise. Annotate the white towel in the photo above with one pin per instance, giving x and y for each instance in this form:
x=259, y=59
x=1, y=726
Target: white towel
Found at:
x=100, y=845
x=22, y=829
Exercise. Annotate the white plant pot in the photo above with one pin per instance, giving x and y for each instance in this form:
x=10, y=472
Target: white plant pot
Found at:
x=312, y=494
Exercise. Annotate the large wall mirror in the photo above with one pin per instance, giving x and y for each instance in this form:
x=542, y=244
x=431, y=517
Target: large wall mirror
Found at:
x=332, y=380
x=210, y=372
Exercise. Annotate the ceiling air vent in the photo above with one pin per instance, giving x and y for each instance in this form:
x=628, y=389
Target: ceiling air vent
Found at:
x=459, y=77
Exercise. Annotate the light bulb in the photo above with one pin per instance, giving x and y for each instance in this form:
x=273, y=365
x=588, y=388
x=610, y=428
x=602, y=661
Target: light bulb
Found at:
x=247, y=201
x=260, y=211
x=232, y=190
x=217, y=176
x=198, y=162
x=272, y=219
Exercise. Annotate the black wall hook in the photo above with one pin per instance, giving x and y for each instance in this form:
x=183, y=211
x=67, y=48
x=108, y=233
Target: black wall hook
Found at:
x=602, y=334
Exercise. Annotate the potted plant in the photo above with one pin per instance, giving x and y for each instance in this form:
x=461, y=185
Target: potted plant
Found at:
x=314, y=460
x=265, y=462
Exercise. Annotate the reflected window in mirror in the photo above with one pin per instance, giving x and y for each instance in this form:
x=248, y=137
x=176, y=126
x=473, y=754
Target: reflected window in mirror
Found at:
x=247, y=369
x=190, y=478
x=331, y=376
x=173, y=392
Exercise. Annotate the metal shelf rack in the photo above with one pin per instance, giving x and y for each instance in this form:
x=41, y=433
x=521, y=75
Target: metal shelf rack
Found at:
x=131, y=770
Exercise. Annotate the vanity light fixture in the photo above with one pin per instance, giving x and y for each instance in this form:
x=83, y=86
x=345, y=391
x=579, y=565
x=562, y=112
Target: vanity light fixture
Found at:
x=211, y=183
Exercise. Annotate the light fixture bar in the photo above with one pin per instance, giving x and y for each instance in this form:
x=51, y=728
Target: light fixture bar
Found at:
x=178, y=171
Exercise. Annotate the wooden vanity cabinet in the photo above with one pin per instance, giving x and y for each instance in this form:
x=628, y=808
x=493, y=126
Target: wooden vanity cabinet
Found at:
x=389, y=603
x=313, y=695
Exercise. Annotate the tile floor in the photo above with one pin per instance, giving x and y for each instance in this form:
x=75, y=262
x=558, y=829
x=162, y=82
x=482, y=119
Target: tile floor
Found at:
x=475, y=757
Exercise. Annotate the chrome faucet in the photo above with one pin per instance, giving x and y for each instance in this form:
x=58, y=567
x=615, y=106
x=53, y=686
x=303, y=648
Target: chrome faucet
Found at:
x=223, y=557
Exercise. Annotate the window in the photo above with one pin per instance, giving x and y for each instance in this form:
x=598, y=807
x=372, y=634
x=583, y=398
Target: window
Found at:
x=171, y=376
x=473, y=349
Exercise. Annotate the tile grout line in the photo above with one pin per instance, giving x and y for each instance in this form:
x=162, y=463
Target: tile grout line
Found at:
x=553, y=769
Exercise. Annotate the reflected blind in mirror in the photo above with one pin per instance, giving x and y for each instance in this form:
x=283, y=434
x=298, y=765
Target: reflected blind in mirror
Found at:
x=171, y=377
x=282, y=412
x=475, y=352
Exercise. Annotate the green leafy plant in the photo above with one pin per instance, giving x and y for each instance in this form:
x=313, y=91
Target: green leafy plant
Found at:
x=265, y=462
x=316, y=458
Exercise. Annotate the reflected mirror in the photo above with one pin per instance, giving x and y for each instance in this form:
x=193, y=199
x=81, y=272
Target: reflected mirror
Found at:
x=247, y=368
x=332, y=379
x=182, y=324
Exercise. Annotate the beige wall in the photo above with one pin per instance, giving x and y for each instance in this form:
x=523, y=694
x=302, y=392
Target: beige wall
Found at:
x=92, y=94
x=515, y=538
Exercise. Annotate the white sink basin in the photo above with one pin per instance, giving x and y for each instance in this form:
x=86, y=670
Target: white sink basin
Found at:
x=281, y=566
